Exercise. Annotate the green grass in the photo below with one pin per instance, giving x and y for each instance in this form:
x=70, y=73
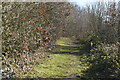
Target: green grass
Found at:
x=66, y=45
x=65, y=42
x=62, y=65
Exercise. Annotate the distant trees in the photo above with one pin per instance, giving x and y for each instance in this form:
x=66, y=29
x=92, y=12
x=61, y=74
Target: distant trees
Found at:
x=97, y=27
x=100, y=19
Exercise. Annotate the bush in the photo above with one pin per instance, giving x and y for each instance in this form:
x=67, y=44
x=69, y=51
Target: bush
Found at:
x=106, y=61
x=26, y=29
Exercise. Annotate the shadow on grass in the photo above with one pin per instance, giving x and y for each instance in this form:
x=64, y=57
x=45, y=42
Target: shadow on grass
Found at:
x=69, y=50
x=99, y=68
x=75, y=48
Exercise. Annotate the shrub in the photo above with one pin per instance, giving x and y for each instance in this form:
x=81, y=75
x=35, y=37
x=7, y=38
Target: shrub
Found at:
x=106, y=61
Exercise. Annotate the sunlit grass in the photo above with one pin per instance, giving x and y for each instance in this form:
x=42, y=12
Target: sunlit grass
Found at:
x=64, y=41
x=66, y=45
x=63, y=65
x=60, y=65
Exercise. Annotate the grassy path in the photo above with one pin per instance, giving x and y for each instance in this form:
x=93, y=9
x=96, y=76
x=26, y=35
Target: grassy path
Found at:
x=64, y=62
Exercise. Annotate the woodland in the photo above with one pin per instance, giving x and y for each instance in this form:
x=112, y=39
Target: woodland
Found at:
x=60, y=40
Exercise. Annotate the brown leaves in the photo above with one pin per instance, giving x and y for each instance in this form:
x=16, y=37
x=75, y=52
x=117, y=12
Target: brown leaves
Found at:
x=24, y=19
x=32, y=24
x=25, y=47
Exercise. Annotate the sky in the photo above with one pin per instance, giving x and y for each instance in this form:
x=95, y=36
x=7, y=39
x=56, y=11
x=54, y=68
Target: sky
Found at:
x=85, y=2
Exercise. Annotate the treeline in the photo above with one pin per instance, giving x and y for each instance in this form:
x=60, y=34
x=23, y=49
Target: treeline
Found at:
x=97, y=28
x=100, y=19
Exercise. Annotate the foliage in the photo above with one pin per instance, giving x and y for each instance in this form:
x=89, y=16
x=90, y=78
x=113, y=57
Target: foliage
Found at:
x=31, y=30
x=103, y=45
x=105, y=61
x=28, y=33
